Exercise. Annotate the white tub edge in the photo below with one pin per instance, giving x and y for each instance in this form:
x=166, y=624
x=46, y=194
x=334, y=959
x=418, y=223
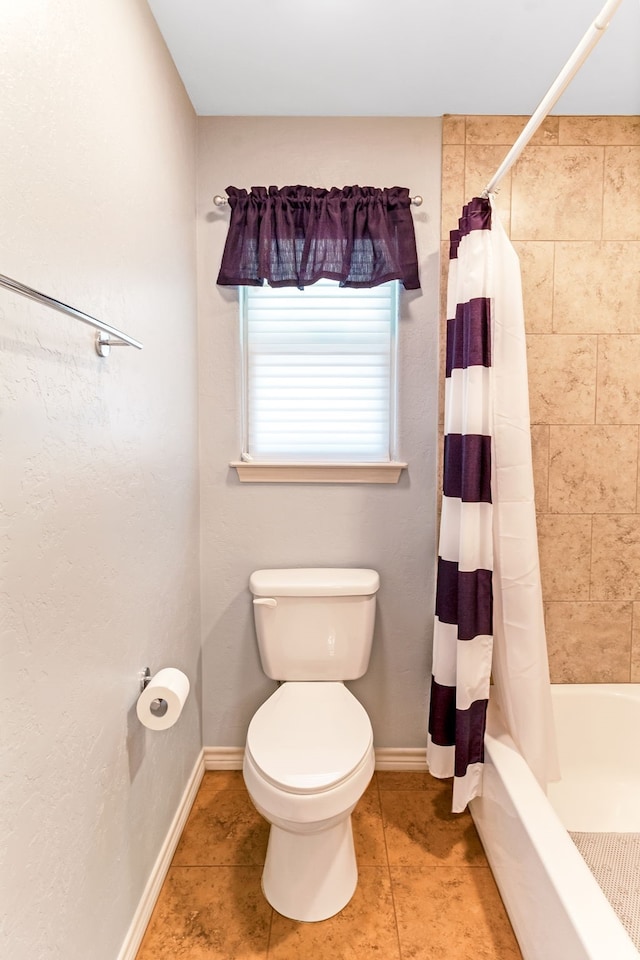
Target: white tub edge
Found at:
x=555, y=905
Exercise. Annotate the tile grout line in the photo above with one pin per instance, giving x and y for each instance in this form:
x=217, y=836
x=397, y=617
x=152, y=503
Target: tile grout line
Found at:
x=269, y=934
x=386, y=851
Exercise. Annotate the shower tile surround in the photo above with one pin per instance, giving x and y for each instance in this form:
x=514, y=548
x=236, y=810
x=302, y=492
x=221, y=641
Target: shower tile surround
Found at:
x=425, y=889
x=571, y=206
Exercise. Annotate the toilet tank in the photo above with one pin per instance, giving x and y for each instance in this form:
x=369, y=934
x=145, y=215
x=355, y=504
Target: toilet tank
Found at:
x=314, y=623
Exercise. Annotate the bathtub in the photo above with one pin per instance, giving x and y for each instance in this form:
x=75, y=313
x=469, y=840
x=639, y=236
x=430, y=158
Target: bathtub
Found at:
x=556, y=907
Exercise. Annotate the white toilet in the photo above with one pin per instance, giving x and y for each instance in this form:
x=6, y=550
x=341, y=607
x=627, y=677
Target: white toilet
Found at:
x=309, y=753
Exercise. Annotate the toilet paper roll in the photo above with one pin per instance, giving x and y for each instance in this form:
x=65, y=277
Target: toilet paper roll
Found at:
x=161, y=702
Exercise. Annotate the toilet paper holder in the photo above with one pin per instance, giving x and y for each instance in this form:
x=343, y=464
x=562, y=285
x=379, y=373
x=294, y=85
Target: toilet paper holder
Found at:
x=158, y=706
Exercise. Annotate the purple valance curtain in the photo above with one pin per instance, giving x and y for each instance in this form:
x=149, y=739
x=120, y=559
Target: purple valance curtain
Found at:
x=293, y=236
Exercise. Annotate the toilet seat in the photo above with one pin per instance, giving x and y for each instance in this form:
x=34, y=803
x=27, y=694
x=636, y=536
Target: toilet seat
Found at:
x=309, y=737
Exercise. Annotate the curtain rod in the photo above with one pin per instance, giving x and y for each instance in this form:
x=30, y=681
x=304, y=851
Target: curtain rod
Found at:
x=105, y=330
x=220, y=201
x=562, y=81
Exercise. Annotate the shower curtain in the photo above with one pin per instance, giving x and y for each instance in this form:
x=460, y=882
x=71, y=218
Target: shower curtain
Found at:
x=488, y=618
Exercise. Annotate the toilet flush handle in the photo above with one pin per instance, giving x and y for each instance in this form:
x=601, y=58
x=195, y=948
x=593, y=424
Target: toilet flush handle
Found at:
x=265, y=602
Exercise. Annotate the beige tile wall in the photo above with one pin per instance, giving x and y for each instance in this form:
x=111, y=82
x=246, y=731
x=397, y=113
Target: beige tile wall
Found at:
x=572, y=207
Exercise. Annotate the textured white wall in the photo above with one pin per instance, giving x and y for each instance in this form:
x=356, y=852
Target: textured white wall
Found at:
x=247, y=526
x=98, y=483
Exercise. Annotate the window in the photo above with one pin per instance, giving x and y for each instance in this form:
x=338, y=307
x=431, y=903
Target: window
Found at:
x=319, y=373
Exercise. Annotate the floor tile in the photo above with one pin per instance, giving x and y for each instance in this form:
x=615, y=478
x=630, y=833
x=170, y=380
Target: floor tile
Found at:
x=451, y=912
x=421, y=830
x=364, y=930
x=224, y=828
x=439, y=887
x=209, y=913
x=214, y=780
x=410, y=780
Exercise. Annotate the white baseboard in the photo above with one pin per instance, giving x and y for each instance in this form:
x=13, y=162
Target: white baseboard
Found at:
x=401, y=758
x=387, y=758
x=223, y=758
x=161, y=866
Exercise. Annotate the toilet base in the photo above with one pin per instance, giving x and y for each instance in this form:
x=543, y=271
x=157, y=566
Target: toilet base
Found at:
x=310, y=877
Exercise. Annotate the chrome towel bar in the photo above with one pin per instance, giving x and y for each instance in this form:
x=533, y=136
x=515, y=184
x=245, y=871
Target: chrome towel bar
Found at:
x=106, y=332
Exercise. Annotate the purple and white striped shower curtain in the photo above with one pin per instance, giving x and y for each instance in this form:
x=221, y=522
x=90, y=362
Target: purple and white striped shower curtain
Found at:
x=489, y=618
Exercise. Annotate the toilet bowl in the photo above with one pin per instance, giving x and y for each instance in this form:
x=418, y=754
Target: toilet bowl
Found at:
x=309, y=758
x=309, y=752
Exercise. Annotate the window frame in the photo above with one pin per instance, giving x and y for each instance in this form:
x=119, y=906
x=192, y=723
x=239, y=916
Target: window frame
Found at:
x=322, y=470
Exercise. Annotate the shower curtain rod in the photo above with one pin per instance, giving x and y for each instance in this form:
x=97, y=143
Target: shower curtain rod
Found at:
x=560, y=84
x=103, y=342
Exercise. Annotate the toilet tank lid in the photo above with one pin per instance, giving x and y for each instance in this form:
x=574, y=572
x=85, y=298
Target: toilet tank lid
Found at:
x=314, y=582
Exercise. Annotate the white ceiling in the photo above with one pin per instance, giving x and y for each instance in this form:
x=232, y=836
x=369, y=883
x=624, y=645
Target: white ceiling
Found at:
x=397, y=57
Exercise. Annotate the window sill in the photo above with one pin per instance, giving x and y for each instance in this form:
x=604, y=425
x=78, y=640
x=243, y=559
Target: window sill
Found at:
x=254, y=472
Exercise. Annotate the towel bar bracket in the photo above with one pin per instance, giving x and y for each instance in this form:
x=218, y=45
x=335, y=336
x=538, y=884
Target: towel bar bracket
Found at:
x=104, y=344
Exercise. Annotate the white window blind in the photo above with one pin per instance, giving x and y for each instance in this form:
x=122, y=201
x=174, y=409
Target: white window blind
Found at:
x=319, y=373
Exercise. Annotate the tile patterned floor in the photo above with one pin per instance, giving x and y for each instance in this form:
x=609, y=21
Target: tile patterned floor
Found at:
x=425, y=890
